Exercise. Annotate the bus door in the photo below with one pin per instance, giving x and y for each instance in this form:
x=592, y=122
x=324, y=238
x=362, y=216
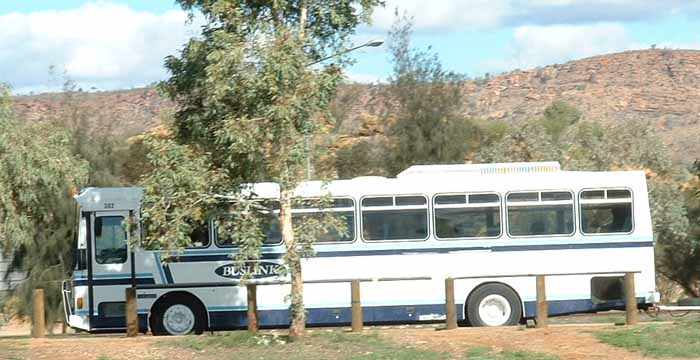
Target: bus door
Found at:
x=110, y=269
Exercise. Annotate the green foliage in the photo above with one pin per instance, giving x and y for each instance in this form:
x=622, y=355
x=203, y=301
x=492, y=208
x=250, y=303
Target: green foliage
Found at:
x=425, y=102
x=558, y=116
x=84, y=155
x=180, y=192
x=364, y=158
x=38, y=174
x=106, y=153
x=678, y=340
x=248, y=103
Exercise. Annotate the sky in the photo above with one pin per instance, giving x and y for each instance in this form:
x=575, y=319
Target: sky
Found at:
x=119, y=44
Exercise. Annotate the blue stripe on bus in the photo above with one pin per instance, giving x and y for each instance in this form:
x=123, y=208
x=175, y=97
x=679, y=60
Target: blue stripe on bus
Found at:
x=235, y=317
x=116, y=281
x=436, y=250
x=168, y=274
x=110, y=276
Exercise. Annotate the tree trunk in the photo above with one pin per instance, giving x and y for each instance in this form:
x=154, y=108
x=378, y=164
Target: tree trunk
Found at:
x=296, y=307
x=293, y=262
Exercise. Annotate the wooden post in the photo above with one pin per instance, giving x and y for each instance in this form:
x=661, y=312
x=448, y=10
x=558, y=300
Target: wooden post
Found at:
x=38, y=316
x=542, y=308
x=450, y=307
x=252, y=291
x=356, y=306
x=630, y=300
x=132, y=318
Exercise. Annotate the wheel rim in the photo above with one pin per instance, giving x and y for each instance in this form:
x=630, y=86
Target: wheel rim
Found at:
x=494, y=310
x=178, y=320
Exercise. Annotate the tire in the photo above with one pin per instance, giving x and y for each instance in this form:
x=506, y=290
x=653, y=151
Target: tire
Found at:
x=177, y=316
x=493, y=305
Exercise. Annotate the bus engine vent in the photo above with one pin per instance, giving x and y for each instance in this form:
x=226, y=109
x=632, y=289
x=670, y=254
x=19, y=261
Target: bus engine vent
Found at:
x=495, y=168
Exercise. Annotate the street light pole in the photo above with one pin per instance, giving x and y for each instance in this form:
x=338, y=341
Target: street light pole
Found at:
x=371, y=43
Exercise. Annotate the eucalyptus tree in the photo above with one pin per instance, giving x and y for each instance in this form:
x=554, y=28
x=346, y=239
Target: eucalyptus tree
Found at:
x=38, y=174
x=424, y=106
x=247, y=98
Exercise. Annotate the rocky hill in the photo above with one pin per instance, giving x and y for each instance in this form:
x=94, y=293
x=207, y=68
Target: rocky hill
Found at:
x=659, y=87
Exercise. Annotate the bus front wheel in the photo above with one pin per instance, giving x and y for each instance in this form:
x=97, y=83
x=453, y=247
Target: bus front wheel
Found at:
x=177, y=316
x=493, y=305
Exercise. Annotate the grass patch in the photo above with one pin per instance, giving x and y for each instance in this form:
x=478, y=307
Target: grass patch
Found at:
x=658, y=340
x=335, y=344
x=484, y=353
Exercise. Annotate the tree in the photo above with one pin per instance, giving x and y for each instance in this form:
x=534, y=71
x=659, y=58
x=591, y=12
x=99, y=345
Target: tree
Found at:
x=558, y=116
x=247, y=101
x=38, y=175
x=363, y=158
x=424, y=102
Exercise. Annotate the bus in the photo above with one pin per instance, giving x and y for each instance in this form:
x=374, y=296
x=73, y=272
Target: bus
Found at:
x=488, y=226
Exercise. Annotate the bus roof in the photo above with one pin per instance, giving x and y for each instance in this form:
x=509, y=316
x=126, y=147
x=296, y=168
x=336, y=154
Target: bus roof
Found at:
x=420, y=179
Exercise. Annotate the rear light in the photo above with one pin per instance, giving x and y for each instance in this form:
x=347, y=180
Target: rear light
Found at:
x=79, y=302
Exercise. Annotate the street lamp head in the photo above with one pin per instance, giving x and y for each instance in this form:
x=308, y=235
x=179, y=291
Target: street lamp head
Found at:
x=375, y=43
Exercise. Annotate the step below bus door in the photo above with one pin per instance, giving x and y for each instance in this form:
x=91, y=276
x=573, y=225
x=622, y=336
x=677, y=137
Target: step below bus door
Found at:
x=109, y=269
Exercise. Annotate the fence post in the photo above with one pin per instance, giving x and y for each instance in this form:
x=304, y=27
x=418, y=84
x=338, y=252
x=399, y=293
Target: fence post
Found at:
x=630, y=300
x=252, y=291
x=38, y=316
x=132, y=318
x=542, y=308
x=356, y=306
x=450, y=307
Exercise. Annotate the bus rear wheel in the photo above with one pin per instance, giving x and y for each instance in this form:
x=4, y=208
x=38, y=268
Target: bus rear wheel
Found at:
x=178, y=316
x=493, y=305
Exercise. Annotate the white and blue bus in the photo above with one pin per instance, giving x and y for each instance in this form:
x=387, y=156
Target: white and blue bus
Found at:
x=493, y=223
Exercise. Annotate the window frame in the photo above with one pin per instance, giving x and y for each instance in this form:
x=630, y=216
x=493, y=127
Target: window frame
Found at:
x=300, y=211
x=354, y=212
x=607, y=201
x=394, y=207
x=539, y=196
x=467, y=205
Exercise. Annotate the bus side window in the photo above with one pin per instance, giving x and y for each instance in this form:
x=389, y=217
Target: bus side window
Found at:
x=395, y=218
x=343, y=208
x=110, y=240
x=539, y=213
x=199, y=237
x=467, y=216
x=308, y=209
x=224, y=228
x=606, y=211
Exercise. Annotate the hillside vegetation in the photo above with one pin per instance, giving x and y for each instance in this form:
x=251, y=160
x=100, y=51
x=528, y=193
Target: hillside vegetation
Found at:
x=658, y=87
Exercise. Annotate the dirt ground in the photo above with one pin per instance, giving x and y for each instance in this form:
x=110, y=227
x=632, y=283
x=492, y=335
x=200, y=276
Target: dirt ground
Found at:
x=570, y=341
